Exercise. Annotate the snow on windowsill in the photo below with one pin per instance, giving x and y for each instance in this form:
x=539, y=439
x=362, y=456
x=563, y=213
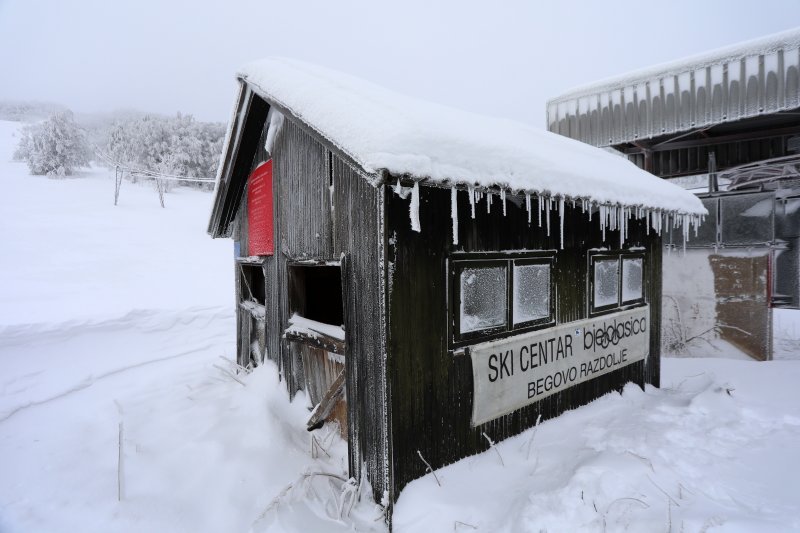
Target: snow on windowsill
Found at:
x=303, y=326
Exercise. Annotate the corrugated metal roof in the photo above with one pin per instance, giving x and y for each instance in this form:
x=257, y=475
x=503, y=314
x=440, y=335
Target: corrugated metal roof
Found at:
x=741, y=81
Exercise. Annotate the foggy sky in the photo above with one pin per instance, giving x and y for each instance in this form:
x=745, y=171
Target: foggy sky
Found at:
x=498, y=58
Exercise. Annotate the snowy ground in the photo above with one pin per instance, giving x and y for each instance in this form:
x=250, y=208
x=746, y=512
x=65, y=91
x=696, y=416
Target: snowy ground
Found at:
x=124, y=315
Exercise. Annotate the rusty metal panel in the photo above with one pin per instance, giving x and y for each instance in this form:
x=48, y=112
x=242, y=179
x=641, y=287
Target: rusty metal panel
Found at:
x=718, y=294
x=743, y=311
x=744, y=81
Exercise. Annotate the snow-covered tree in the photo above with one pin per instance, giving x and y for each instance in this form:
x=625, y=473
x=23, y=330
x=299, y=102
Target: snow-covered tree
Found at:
x=176, y=145
x=54, y=147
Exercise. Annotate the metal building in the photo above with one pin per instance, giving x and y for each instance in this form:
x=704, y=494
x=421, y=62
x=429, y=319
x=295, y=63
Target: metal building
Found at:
x=726, y=123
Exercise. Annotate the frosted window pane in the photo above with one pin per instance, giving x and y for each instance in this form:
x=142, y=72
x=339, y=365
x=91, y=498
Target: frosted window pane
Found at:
x=747, y=218
x=606, y=282
x=483, y=298
x=631, y=279
x=531, y=293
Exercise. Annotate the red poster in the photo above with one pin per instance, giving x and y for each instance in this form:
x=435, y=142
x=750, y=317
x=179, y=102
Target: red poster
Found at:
x=261, y=239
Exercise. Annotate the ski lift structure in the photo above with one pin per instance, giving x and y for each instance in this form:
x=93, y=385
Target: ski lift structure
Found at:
x=726, y=125
x=159, y=179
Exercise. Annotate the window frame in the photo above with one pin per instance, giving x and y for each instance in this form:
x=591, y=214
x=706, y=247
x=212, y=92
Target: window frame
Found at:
x=458, y=268
x=620, y=305
x=622, y=300
x=537, y=322
x=458, y=262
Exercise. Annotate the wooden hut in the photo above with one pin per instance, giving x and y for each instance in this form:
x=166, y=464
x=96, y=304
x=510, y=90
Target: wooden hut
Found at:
x=724, y=123
x=428, y=275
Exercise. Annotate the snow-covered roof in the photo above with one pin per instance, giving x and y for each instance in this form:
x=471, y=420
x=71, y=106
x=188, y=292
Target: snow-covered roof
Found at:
x=766, y=45
x=382, y=130
x=741, y=81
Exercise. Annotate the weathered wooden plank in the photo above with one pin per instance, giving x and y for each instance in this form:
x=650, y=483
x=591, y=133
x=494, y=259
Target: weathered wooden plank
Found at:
x=359, y=234
x=320, y=341
x=327, y=402
x=254, y=114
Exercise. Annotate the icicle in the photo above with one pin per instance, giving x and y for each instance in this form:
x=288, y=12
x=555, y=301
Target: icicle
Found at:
x=413, y=210
x=603, y=221
x=621, y=224
x=625, y=217
x=528, y=206
x=471, y=192
x=561, y=218
x=549, y=208
x=454, y=213
x=503, y=199
x=685, y=232
x=398, y=190
x=591, y=207
x=541, y=206
x=488, y=201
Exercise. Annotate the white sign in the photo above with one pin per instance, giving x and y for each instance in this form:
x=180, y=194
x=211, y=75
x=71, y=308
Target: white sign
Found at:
x=517, y=371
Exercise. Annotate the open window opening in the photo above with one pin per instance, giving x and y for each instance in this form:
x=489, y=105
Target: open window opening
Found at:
x=316, y=336
x=252, y=284
x=315, y=293
x=252, y=315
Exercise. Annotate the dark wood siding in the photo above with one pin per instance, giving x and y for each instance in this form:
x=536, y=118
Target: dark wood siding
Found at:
x=302, y=227
x=431, y=389
x=359, y=236
x=327, y=211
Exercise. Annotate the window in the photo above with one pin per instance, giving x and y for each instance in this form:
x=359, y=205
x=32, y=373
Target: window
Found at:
x=531, y=292
x=315, y=293
x=631, y=279
x=606, y=282
x=493, y=297
x=616, y=280
x=483, y=298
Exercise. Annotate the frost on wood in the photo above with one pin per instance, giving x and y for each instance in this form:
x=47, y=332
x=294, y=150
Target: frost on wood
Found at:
x=483, y=298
